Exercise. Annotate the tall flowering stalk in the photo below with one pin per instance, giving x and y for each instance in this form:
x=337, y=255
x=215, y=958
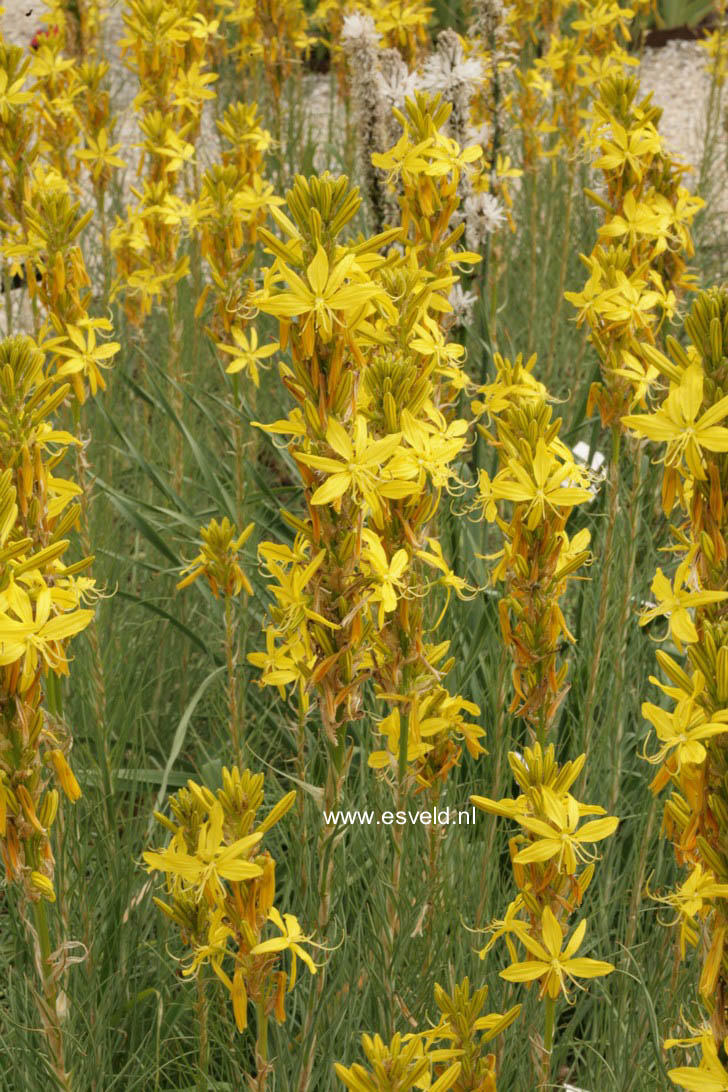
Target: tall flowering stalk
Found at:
x=41, y=597
x=637, y=271
x=412, y=384
x=271, y=34
x=537, y=476
x=100, y=155
x=166, y=47
x=691, y=720
x=319, y=637
x=219, y=562
x=220, y=893
x=18, y=150
x=55, y=90
x=233, y=202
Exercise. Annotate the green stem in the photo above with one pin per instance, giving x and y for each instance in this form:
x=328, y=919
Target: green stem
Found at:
x=202, y=1033
x=566, y=247
x=548, y=1041
x=48, y=1008
x=607, y=558
x=261, y=1047
x=334, y=778
x=231, y=663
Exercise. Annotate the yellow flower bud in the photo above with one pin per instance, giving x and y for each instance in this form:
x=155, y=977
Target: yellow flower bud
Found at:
x=48, y=808
x=65, y=775
x=240, y=1000
x=43, y=885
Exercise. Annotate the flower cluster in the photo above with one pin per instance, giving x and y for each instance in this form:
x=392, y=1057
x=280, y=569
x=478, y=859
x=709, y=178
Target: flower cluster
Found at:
x=637, y=267
x=41, y=608
x=220, y=884
x=449, y=1057
x=539, y=478
x=373, y=449
x=691, y=720
x=166, y=47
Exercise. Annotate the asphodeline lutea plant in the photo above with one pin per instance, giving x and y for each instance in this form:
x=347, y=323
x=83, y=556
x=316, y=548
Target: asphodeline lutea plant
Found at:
x=411, y=384
x=449, y=1057
x=42, y=597
x=553, y=855
x=219, y=562
x=346, y=585
x=55, y=90
x=48, y=246
x=220, y=892
x=637, y=270
x=234, y=201
x=100, y=156
x=690, y=722
x=324, y=296
x=637, y=274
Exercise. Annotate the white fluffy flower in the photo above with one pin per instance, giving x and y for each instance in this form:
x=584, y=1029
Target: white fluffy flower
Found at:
x=394, y=79
x=483, y=216
x=478, y=134
x=462, y=304
x=448, y=71
x=359, y=32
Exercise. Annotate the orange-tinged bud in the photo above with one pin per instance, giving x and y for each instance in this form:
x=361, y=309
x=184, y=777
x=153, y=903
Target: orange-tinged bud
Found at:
x=280, y=1001
x=240, y=1000
x=267, y=888
x=65, y=775
x=28, y=808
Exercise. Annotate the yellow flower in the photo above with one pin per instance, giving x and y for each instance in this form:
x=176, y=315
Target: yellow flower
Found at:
x=291, y=940
x=676, y=423
x=682, y=730
x=541, y=485
x=431, y=450
x=692, y=898
x=213, y=862
x=246, y=352
x=710, y=1075
x=322, y=300
x=387, y=575
x=84, y=358
x=36, y=634
x=675, y=603
x=100, y=154
x=567, y=843
x=12, y=95
x=358, y=467
x=633, y=149
x=552, y=964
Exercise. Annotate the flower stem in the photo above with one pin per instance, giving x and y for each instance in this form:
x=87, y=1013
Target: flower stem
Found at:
x=48, y=1006
x=202, y=1033
x=604, y=585
x=548, y=1042
x=261, y=1047
x=231, y=629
